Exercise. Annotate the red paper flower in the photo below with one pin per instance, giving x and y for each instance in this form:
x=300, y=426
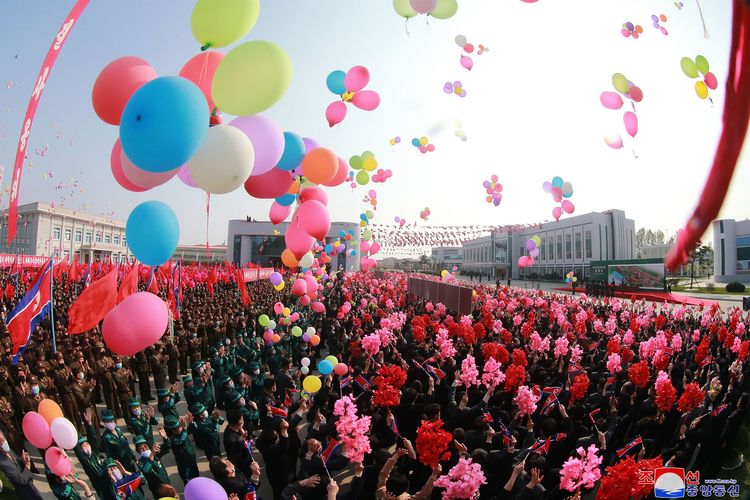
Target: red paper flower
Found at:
x=419, y=334
x=579, y=388
x=666, y=394
x=391, y=375
x=432, y=442
x=691, y=399
x=519, y=358
x=515, y=376
x=744, y=349
x=639, y=374
x=495, y=350
x=613, y=345
x=386, y=396
x=627, y=355
x=479, y=331
x=702, y=351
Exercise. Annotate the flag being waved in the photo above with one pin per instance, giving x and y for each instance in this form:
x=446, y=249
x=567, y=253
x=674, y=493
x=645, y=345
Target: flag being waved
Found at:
x=93, y=304
x=35, y=305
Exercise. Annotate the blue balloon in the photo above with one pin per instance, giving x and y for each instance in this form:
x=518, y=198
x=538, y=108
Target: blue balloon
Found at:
x=286, y=199
x=164, y=123
x=557, y=182
x=415, y=142
x=325, y=367
x=294, y=152
x=335, y=82
x=328, y=248
x=354, y=252
x=152, y=231
x=342, y=234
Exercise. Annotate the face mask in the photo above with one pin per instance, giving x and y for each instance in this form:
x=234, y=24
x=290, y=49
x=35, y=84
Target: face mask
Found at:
x=5, y=447
x=195, y=335
x=227, y=342
x=241, y=402
x=117, y=474
x=256, y=372
x=137, y=412
x=87, y=451
x=118, y=365
x=200, y=370
x=110, y=426
x=80, y=376
x=146, y=453
x=230, y=384
x=35, y=390
x=204, y=414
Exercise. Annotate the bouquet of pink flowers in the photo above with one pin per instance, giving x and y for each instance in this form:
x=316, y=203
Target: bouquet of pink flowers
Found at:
x=469, y=372
x=371, y=343
x=352, y=429
x=526, y=400
x=581, y=472
x=462, y=481
x=492, y=376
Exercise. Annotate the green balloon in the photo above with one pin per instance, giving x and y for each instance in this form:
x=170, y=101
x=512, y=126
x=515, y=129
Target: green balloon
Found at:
x=367, y=154
x=356, y=162
x=363, y=177
x=445, y=9
x=251, y=78
x=689, y=67
x=218, y=24
x=702, y=64
x=620, y=83
x=403, y=8
x=366, y=234
x=296, y=331
x=263, y=320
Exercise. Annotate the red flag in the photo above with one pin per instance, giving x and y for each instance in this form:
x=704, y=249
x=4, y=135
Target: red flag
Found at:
x=74, y=274
x=172, y=303
x=243, y=289
x=212, y=279
x=129, y=284
x=154, y=287
x=10, y=291
x=93, y=304
x=61, y=268
x=14, y=267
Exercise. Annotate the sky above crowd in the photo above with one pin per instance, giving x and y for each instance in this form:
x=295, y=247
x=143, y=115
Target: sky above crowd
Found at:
x=531, y=112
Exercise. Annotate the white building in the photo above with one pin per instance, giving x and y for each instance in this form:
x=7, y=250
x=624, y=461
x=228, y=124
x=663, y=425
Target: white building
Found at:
x=731, y=250
x=198, y=253
x=659, y=251
x=444, y=257
x=262, y=243
x=62, y=232
x=567, y=245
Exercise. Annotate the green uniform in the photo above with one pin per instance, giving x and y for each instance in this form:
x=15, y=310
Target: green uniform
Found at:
x=94, y=469
x=111, y=492
x=184, y=455
x=115, y=445
x=141, y=426
x=169, y=407
x=205, y=395
x=206, y=432
x=191, y=397
x=63, y=491
x=154, y=472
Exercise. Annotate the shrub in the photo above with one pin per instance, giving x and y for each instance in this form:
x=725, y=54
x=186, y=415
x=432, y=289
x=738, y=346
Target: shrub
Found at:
x=735, y=287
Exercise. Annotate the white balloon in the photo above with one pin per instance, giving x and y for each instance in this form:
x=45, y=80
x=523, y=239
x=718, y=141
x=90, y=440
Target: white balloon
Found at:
x=306, y=260
x=305, y=370
x=64, y=433
x=271, y=325
x=224, y=161
x=311, y=330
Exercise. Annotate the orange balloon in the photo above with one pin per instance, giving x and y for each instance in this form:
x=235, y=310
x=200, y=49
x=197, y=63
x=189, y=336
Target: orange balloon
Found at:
x=315, y=340
x=294, y=188
x=288, y=258
x=276, y=338
x=320, y=165
x=49, y=410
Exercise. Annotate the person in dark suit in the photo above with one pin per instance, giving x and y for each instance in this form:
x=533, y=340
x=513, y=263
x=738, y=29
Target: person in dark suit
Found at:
x=16, y=469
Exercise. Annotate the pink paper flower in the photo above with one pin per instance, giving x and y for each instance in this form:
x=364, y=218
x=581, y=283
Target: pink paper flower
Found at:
x=561, y=347
x=467, y=320
x=371, y=343
x=445, y=344
x=581, y=472
x=526, y=400
x=462, y=481
x=538, y=343
x=469, y=372
x=575, y=354
x=492, y=375
x=613, y=363
x=353, y=430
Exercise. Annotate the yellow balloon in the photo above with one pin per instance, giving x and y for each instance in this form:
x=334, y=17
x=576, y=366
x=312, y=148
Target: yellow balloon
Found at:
x=279, y=287
x=218, y=24
x=332, y=359
x=423, y=141
x=370, y=164
x=443, y=273
x=701, y=89
x=312, y=384
x=286, y=311
x=251, y=78
x=393, y=142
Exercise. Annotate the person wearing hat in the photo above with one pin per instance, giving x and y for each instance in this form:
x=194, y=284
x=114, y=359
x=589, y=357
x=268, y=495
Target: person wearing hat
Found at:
x=141, y=420
x=114, y=473
x=168, y=399
x=62, y=487
x=173, y=358
x=206, y=430
x=158, y=361
x=249, y=410
x=92, y=465
x=258, y=380
x=188, y=390
x=123, y=380
x=219, y=365
x=103, y=369
x=150, y=465
x=204, y=390
x=64, y=381
x=113, y=442
x=141, y=369
x=176, y=440
x=226, y=387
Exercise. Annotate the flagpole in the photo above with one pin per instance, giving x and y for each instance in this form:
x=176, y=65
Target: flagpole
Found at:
x=52, y=302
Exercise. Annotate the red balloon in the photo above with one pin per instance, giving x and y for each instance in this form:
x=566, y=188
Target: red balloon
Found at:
x=710, y=81
x=278, y=213
x=200, y=70
x=116, y=83
x=299, y=287
x=636, y=93
x=297, y=240
x=314, y=219
x=342, y=173
x=270, y=185
x=313, y=193
x=115, y=162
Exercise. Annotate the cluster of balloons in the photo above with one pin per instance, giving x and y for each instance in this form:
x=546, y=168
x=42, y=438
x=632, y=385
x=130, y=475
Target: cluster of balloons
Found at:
x=679, y=5
x=439, y=9
x=331, y=364
x=532, y=246
x=364, y=164
x=570, y=278
x=613, y=100
x=424, y=214
x=466, y=61
x=660, y=18
x=400, y=221
x=382, y=175
x=560, y=192
x=394, y=141
x=461, y=135
x=694, y=69
x=631, y=30
x=372, y=198
x=446, y=276
x=423, y=144
x=46, y=426
x=350, y=86
x=454, y=88
x=494, y=190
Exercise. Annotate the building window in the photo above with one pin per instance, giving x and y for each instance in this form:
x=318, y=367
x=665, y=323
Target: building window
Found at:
x=568, y=246
x=57, y=252
x=56, y=233
x=107, y=239
x=79, y=236
x=88, y=236
x=542, y=249
x=98, y=237
x=551, y=248
x=559, y=247
x=117, y=240
x=124, y=241
x=115, y=258
x=579, y=252
x=588, y=244
x=68, y=234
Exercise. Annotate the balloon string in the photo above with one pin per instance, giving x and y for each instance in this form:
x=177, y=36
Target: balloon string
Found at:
x=406, y=26
x=703, y=20
x=204, y=69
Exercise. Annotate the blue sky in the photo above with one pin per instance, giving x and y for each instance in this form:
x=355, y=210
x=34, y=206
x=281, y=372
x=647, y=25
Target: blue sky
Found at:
x=532, y=109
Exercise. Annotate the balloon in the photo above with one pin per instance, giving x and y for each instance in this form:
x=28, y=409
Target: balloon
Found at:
x=356, y=79
x=58, y=461
x=367, y=100
x=467, y=62
x=218, y=24
x=152, y=231
x=534, y=252
x=288, y=258
x=251, y=78
x=556, y=213
x=537, y=240
x=297, y=332
x=341, y=369
x=280, y=286
x=320, y=165
x=305, y=370
x=611, y=100
x=306, y=261
x=547, y=187
x=635, y=93
x=203, y=488
x=689, y=67
x=701, y=90
x=64, y=433
x=224, y=161
x=135, y=323
x=268, y=336
x=276, y=337
x=183, y=173
x=620, y=83
x=272, y=184
x=613, y=140
x=631, y=123
x=36, y=430
x=702, y=64
x=335, y=113
x=271, y=324
x=310, y=144
x=567, y=192
x=557, y=194
x=50, y=410
x=325, y=367
x=318, y=307
x=267, y=139
x=374, y=248
x=342, y=171
x=115, y=162
x=263, y=320
x=163, y=124
x=277, y=214
x=335, y=82
x=299, y=287
x=311, y=384
x=567, y=206
x=200, y=70
x=403, y=8
x=144, y=178
x=278, y=308
x=423, y=6
x=362, y=177
x=445, y=9
x=530, y=245
x=297, y=240
x=710, y=81
x=333, y=360
x=116, y=83
x=294, y=151
x=460, y=40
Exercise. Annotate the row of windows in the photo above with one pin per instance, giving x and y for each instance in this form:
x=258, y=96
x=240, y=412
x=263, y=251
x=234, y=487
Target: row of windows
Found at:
x=79, y=236
x=547, y=248
x=477, y=254
x=115, y=257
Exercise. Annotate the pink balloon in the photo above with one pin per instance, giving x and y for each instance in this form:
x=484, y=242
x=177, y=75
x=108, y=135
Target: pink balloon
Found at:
x=184, y=175
x=557, y=194
x=710, y=81
x=58, y=461
x=631, y=123
x=611, y=100
x=278, y=213
x=614, y=141
x=335, y=113
x=304, y=300
x=341, y=369
x=294, y=316
x=116, y=83
x=318, y=307
x=135, y=323
x=270, y=185
x=356, y=79
x=278, y=308
x=366, y=99
x=364, y=246
x=635, y=93
x=467, y=62
x=556, y=213
x=568, y=206
x=267, y=139
x=374, y=248
x=144, y=178
x=314, y=219
x=313, y=193
x=115, y=162
x=423, y=6
x=299, y=287
x=312, y=284
x=200, y=70
x=36, y=430
x=341, y=174
x=297, y=240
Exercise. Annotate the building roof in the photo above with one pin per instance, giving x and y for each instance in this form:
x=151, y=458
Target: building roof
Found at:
x=31, y=208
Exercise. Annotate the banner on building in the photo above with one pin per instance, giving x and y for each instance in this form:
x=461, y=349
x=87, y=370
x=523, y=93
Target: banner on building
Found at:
x=7, y=259
x=256, y=273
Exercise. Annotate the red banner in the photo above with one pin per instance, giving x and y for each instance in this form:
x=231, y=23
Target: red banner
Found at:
x=7, y=259
x=256, y=273
x=265, y=273
x=36, y=95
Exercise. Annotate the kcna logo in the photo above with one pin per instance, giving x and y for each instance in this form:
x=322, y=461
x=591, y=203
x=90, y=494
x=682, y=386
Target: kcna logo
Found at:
x=669, y=482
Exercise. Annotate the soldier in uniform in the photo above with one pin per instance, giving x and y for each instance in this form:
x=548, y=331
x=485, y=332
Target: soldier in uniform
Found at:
x=141, y=369
x=10, y=424
x=115, y=471
x=249, y=410
x=83, y=390
x=206, y=430
x=188, y=390
x=64, y=380
x=122, y=378
x=150, y=465
x=46, y=383
x=173, y=354
x=141, y=420
x=218, y=365
x=103, y=366
x=158, y=361
x=6, y=384
x=226, y=387
x=113, y=442
x=168, y=399
x=182, y=343
x=194, y=347
x=203, y=388
x=179, y=443
x=91, y=463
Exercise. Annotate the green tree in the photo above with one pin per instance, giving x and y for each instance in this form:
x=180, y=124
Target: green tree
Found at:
x=699, y=255
x=424, y=261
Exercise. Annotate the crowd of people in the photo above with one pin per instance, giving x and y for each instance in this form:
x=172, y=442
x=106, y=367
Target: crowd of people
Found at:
x=644, y=385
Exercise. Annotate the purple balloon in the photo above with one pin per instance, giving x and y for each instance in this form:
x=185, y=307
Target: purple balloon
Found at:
x=203, y=488
x=310, y=144
x=184, y=175
x=629, y=26
x=486, y=184
x=267, y=139
x=530, y=245
x=448, y=88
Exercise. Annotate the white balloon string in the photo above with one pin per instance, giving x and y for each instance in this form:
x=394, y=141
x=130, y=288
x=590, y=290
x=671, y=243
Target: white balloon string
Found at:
x=703, y=20
x=204, y=68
